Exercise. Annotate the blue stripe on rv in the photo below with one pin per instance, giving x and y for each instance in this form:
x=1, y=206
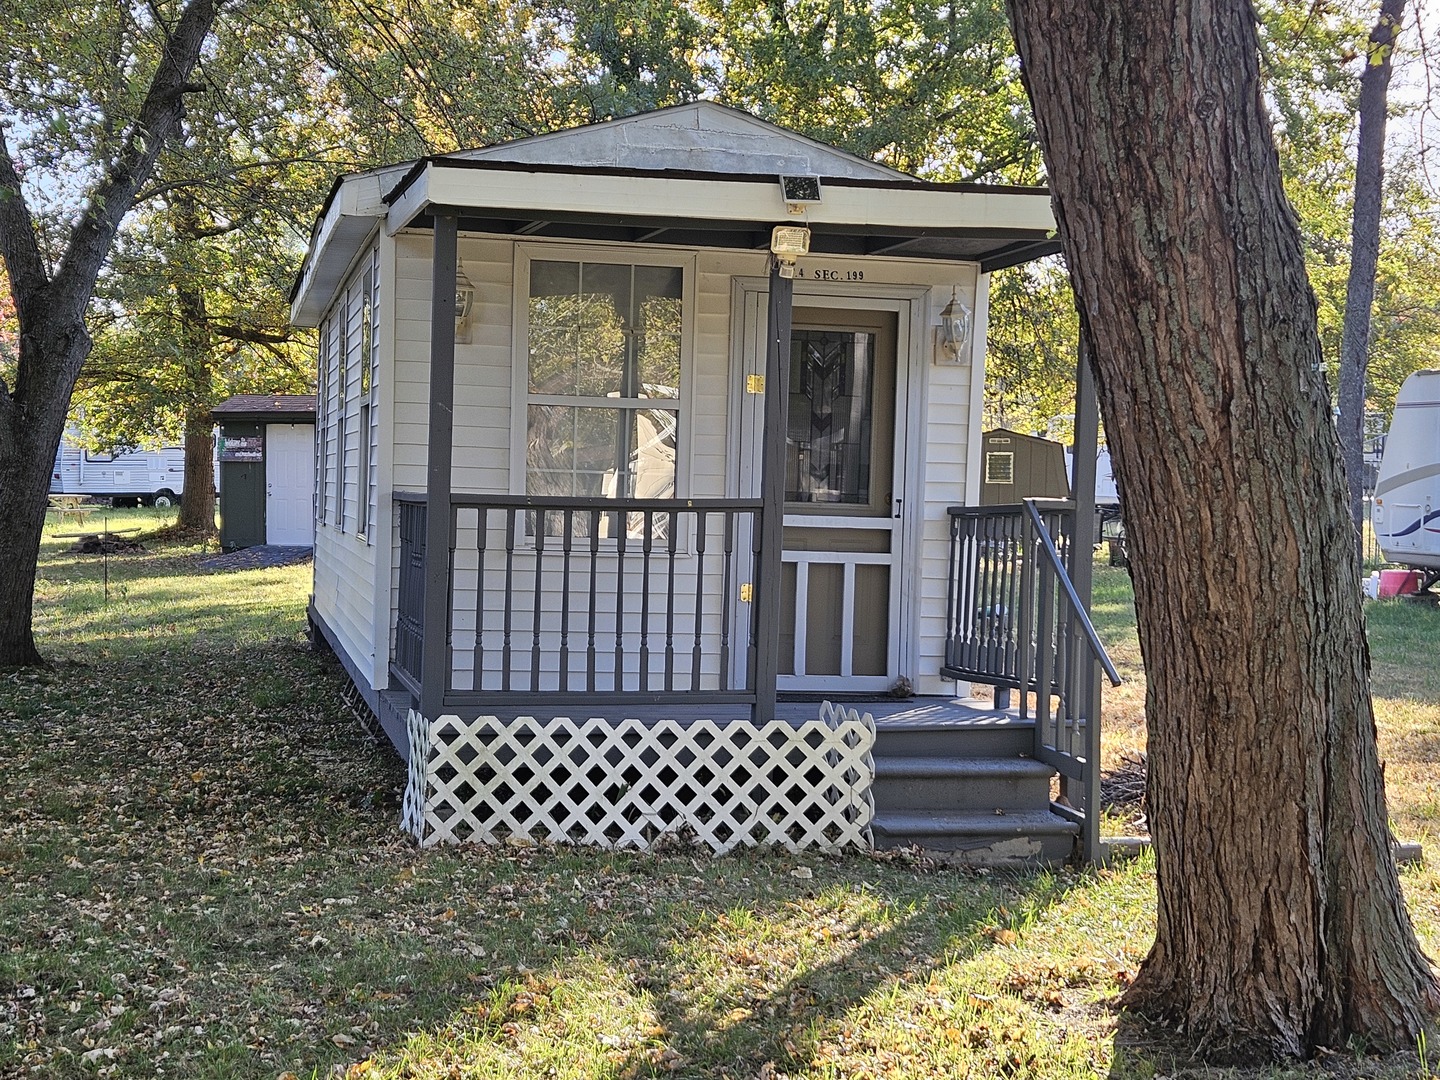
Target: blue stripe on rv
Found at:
x=1416, y=524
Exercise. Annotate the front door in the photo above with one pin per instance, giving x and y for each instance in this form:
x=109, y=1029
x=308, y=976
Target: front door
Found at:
x=843, y=496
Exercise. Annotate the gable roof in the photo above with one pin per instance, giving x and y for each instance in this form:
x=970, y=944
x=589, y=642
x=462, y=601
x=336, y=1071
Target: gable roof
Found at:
x=699, y=136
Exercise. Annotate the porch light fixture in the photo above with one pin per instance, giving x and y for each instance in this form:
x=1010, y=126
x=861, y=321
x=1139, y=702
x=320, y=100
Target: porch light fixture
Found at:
x=953, y=333
x=464, y=304
x=787, y=244
x=799, y=192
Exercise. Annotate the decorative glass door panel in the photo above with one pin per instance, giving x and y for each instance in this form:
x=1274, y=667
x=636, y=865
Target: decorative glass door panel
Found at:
x=838, y=592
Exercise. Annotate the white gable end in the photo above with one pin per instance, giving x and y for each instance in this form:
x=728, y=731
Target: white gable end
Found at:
x=698, y=137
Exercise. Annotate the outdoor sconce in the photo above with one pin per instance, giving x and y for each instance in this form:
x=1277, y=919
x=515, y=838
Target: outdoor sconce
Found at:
x=464, y=304
x=799, y=192
x=787, y=244
x=953, y=334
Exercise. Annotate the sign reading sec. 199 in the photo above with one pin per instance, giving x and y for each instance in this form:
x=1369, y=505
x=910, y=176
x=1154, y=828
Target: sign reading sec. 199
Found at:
x=828, y=273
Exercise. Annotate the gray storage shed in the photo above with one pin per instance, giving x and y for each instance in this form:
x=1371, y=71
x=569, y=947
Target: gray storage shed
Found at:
x=267, y=470
x=1015, y=467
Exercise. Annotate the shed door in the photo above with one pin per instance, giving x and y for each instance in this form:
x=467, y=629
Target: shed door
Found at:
x=844, y=471
x=289, y=484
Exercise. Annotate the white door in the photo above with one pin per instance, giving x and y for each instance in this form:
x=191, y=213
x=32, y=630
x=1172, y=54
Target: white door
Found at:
x=289, y=484
x=840, y=588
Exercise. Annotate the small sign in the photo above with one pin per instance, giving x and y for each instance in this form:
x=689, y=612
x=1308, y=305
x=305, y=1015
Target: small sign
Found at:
x=242, y=448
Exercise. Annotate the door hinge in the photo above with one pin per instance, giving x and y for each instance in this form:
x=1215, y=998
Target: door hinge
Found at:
x=747, y=593
x=754, y=384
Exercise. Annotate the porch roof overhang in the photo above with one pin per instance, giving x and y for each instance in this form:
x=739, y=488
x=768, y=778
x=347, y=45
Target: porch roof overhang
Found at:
x=994, y=226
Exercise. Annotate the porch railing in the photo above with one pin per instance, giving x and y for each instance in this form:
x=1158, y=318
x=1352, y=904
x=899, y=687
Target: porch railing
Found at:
x=555, y=600
x=1014, y=620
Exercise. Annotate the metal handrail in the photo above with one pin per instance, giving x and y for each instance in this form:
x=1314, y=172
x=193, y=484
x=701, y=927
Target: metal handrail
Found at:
x=1076, y=608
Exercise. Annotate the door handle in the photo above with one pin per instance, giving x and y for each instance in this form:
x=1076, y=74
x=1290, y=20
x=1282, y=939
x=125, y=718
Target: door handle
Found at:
x=898, y=503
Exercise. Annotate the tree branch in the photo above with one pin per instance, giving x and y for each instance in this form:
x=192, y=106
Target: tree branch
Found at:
x=18, y=243
x=159, y=116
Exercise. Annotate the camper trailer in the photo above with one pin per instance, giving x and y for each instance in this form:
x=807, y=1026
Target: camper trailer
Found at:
x=148, y=477
x=1407, y=490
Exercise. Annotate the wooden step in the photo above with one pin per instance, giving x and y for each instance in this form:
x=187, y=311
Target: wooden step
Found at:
x=991, y=737
x=976, y=837
x=926, y=782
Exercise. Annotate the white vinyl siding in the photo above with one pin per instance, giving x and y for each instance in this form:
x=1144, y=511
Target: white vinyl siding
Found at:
x=349, y=425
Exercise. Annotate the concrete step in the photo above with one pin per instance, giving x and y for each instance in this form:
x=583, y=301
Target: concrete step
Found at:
x=1002, y=738
x=951, y=783
x=977, y=837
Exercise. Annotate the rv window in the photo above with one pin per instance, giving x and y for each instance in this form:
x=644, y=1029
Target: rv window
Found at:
x=1000, y=467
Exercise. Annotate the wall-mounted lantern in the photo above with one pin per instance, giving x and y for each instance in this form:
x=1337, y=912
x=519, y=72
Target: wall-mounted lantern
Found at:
x=464, y=304
x=952, y=336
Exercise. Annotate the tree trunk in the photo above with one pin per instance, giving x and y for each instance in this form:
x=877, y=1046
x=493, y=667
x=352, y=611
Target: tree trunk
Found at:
x=29, y=441
x=197, y=505
x=197, y=508
x=1364, y=253
x=1280, y=924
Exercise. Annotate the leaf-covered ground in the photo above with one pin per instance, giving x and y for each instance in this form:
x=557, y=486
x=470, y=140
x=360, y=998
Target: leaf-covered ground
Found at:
x=201, y=876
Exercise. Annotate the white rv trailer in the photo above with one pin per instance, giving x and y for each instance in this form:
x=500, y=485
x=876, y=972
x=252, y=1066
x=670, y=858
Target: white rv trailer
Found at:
x=1407, y=490
x=151, y=477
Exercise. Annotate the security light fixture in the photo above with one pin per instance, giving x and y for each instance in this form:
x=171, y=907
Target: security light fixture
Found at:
x=799, y=192
x=464, y=303
x=787, y=244
x=953, y=333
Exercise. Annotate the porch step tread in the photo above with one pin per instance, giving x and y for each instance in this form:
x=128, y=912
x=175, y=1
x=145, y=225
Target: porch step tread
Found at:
x=935, y=719
x=972, y=823
x=960, y=768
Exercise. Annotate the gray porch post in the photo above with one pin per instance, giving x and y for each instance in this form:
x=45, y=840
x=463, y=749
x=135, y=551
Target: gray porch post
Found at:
x=435, y=654
x=1082, y=573
x=766, y=615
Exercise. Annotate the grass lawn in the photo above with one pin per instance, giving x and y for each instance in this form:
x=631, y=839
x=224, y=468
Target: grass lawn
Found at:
x=201, y=875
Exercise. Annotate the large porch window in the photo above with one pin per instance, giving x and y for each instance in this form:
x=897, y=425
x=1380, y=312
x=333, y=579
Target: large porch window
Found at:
x=603, y=405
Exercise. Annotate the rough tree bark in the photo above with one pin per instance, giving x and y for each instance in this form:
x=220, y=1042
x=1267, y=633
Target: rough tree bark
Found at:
x=197, y=506
x=1365, y=252
x=1281, y=927
x=50, y=311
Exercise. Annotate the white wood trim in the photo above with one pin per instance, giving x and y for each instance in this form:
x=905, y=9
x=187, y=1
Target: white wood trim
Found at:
x=711, y=199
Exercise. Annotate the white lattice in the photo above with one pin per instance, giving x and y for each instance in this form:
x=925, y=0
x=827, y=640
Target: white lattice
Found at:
x=412, y=813
x=627, y=783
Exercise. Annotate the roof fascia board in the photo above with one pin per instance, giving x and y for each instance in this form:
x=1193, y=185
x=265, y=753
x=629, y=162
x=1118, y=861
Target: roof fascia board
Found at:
x=355, y=208
x=887, y=206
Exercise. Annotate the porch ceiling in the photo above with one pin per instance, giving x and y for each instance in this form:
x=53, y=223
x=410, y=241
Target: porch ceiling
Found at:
x=994, y=226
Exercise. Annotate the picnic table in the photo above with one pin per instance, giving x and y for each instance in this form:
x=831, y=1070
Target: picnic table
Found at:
x=71, y=506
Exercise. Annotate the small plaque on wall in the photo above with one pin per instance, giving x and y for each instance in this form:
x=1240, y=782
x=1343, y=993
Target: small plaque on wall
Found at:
x=242, y=448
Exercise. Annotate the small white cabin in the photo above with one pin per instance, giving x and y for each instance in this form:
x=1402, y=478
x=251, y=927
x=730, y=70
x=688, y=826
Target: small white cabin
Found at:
x=594, y=441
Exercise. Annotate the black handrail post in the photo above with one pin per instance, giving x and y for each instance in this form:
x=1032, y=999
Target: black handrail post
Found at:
x=768, y=563
x=1081, y=569
x=435, y=650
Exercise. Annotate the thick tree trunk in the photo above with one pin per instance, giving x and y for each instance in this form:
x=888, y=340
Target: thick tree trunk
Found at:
x=1365, y=252
x=1280, y=924
x=29, y=440
x=197, y=505
x=197, y=508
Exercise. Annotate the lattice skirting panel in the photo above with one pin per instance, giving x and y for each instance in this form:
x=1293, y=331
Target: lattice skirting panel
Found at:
x=628, y=783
